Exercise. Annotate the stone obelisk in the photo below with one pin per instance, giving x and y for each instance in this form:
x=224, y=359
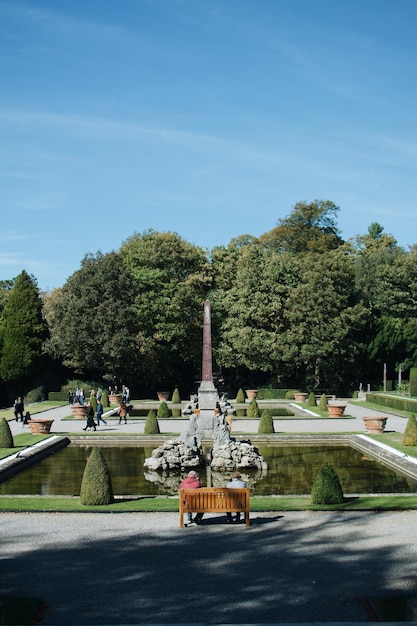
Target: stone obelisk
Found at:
x=207, y=392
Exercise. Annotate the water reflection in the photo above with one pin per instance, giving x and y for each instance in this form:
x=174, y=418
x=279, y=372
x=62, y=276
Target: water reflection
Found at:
x=291, y=470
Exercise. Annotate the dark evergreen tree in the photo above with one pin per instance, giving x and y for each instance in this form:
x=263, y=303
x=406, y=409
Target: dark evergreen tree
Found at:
x=23, y=332
x=326, y=487
x=96, y=486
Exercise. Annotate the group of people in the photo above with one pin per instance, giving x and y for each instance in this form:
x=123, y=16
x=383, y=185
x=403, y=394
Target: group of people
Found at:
x=76, y=397
x=91, y=423
x=192, y=482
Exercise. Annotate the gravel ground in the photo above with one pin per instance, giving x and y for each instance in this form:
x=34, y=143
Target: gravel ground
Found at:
x=141, y=567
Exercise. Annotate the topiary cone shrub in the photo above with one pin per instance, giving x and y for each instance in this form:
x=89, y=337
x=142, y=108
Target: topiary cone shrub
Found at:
x=151, y=424
x=6, y=437
x=96, y=485
x=311, y=400
x=240, y=399
x=410, y=432
x=323, y=402
x=163, y=410
x=253, y=409
x=176, y=399
x=326, y=487
x=105, y=399
x=266, y=423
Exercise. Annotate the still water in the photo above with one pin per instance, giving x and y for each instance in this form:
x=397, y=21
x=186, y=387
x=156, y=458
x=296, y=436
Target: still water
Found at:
x=291, y=470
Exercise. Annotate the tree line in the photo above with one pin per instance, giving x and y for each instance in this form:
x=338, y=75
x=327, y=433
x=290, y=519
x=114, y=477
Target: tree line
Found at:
x=297, y=307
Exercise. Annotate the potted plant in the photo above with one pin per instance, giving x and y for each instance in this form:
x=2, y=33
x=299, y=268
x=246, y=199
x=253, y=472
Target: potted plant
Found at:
x=375, y=425
x=336, y=409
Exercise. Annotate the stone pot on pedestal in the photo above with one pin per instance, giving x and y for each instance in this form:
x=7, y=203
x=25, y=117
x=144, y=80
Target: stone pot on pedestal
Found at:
x=251, y=393
x=79, y=411
x=375, y=425
x=336, y=410
x=40, y=426
x=300, y=396
x=163, y=396
x=115, y=398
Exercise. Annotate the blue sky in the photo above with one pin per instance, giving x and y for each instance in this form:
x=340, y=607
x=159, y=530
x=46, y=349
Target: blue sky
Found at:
x=209, y=118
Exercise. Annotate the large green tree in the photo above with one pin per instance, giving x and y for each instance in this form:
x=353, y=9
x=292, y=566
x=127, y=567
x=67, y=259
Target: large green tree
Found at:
x=311, y=227
x=92, y=323
x=171, y=279
x=23, y=331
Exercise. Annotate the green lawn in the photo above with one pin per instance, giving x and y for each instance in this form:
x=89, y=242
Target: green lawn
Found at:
x=170, y=504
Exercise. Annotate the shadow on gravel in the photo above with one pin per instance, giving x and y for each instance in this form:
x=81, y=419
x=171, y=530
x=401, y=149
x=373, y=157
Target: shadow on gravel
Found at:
x=280, y=569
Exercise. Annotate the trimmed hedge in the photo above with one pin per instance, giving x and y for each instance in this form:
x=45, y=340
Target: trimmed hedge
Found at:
x=410, y=433
x=266, y=393
x=266, y=423
x=326, y=487
x=6, y=437
x=58, y=396
x=402, y=404
x=96, y=486
x=163, y=410
x=176, y=399
x=151, y=424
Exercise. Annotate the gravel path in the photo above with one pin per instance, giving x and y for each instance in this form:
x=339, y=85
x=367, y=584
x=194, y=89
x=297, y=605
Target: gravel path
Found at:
x=137, y=568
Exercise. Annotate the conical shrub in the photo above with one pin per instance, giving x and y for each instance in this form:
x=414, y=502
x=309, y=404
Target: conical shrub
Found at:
x=93, y=402
x=266, y=423
x=163, y=410
x=176, y=399
x=253, y=409
x=326, y=487
x=96, y=485
x=311, y=401
x=240, y=399
x=105, y=399
x=410, y=432
x=6, y=437
x=323, y=402
x=151, y=424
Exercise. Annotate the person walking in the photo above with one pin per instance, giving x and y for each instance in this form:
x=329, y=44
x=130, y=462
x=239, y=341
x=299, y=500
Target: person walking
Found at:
x=99, y=414
x=90, y=417
x=122, y=413
x=235, y=483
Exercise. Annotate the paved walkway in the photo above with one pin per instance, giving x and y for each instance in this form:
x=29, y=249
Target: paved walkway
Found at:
x=353, y=423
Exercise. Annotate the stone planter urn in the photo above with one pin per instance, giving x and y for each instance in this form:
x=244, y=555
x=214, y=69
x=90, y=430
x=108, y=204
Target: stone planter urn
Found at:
x=300, y=397
x=40, y=426
x=79, y=411
x=251, y=393
x=163, y=396
x=115, y=398
x=336, y=410
x=375, y=425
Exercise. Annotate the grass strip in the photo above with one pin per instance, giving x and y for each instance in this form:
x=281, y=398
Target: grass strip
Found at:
x=151, y=504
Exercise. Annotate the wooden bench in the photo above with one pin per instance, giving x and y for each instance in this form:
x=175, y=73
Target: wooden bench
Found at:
x=214, y=500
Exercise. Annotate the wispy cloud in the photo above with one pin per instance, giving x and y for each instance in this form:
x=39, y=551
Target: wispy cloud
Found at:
x=59, y=23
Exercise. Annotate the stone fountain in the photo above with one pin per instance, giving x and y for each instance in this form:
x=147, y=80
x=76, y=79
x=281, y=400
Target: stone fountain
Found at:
x=207, y=440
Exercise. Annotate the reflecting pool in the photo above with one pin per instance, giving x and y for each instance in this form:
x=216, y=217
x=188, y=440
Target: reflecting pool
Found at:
x=291, y=470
